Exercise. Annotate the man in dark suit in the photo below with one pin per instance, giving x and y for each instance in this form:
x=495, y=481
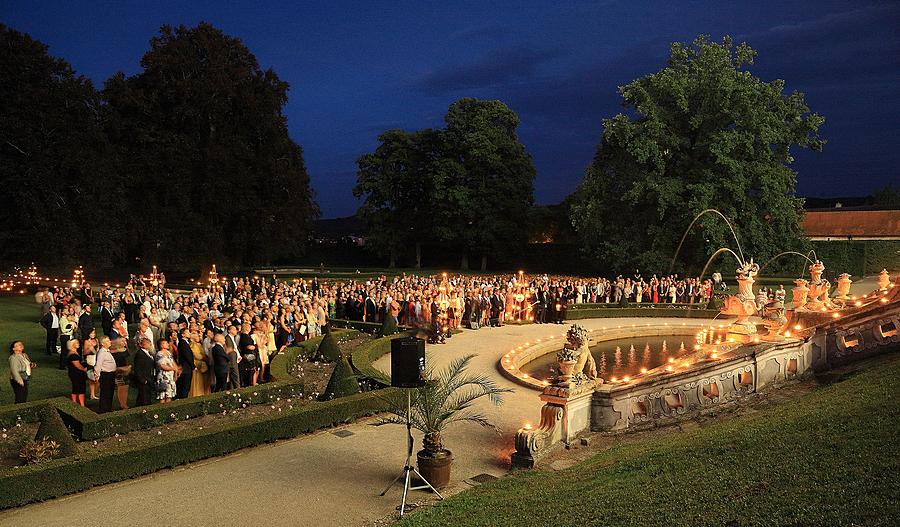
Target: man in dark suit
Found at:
x=249, y=360
x=106, y=319
x=85, y=323
x=186, y=363
x=143, y=372
x=233, y=350
x=371, y=309
x=221, y=362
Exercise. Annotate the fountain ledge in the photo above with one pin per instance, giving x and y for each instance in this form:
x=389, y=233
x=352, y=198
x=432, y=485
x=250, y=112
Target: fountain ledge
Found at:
x=510, y=363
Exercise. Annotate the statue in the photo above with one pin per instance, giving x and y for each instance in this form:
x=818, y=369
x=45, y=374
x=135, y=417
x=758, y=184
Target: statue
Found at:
x=818, y=289
x=743, y=304
x=884, y=280
x=575, y=360
x=843, y=287
x=800, y=294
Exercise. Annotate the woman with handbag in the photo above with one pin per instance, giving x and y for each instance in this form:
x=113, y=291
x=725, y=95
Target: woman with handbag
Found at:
x=20, y=367
x=89, y=351
x=77, y=371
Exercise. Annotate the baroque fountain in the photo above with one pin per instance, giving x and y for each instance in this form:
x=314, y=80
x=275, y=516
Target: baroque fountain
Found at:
x=760, y=342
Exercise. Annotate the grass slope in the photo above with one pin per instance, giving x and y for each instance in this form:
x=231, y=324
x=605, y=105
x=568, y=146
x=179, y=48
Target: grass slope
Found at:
x=829, y=457
x=19, y=316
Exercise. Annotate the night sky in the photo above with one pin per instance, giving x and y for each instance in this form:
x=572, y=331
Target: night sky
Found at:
x=358, y=68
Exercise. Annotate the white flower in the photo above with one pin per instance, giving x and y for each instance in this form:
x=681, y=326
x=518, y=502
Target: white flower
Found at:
x=159, y=432
x=156, y=416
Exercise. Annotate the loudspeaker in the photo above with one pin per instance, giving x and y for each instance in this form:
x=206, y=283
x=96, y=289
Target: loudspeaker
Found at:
x=407, y=362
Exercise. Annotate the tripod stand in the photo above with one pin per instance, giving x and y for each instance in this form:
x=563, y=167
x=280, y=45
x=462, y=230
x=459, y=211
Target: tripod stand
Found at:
x=408, y=467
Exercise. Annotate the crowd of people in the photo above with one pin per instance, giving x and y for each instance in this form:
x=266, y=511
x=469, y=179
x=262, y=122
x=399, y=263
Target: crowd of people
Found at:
x=169, y=344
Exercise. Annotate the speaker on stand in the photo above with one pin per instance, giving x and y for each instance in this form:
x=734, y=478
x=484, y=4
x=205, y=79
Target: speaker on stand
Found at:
x=408, y=372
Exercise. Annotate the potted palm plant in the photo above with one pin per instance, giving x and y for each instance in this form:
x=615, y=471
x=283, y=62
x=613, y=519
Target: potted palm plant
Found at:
x=447, y=397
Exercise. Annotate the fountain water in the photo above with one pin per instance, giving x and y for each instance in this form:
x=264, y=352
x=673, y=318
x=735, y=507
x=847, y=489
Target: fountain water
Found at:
x=632, y=355
x=697, y=217
x=618, y=363
x=646, y=359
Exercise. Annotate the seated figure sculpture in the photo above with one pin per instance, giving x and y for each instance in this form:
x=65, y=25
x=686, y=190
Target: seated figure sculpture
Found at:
x=585, y=367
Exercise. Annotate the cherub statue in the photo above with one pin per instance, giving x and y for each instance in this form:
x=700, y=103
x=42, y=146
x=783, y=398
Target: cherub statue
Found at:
x=577, y=339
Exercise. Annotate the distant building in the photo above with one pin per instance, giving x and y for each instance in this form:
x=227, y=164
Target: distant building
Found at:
x=845, y=223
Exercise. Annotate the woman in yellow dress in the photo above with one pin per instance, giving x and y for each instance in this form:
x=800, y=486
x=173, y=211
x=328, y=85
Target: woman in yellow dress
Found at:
x=200, y=379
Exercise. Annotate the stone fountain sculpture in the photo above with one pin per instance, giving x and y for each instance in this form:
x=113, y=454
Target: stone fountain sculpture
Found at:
x=743, y=304
x=884, y=280
x=817, y=298
x=576, y=364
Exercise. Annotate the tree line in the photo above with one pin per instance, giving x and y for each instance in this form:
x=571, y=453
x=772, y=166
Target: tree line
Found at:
x=189, y=162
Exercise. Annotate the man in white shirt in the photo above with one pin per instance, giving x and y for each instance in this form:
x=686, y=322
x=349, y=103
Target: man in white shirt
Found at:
x=105, y=370
x=50, y=321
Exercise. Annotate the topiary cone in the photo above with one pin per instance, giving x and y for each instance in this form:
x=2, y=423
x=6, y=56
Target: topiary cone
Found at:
x=53, y=428
x=342, y=382
x=328, y=350
x=388, y=327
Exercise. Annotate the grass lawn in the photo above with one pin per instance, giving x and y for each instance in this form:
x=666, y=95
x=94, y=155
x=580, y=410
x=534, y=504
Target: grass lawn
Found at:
x=829, y=457
x=19, y=316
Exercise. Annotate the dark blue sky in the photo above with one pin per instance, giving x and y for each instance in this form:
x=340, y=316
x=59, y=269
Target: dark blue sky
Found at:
x=358, y=68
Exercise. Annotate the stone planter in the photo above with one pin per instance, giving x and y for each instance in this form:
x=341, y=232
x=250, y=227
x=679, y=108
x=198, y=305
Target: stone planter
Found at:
x=843, y=286
x=435, y=467
x=565, y=369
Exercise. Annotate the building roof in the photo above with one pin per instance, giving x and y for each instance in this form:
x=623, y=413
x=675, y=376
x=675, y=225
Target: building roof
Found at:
x=852, y=224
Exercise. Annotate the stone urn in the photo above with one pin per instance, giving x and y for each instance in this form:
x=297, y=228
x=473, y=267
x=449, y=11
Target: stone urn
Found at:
x=567, y=359
x=800, y=292
x=843, y=287
x=884, y=280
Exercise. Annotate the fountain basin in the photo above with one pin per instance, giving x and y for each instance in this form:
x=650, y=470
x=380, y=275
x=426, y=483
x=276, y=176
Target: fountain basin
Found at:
x=515, y=363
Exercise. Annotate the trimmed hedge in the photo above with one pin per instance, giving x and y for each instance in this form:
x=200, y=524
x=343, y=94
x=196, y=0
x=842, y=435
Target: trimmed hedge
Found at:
x=328, y=349
x=88, y=425
x=53, y=428
x=73, y=474
x=343, y=381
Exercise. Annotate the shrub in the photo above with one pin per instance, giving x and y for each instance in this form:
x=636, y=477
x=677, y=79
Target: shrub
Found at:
x=388, y=327
x=328, y=351
x=343, y=381
x=52, y=428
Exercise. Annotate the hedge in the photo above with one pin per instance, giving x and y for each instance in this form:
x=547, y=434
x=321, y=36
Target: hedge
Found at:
x=88, y=425
x=74, y=474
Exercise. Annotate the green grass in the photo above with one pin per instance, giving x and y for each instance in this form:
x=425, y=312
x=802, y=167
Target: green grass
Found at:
x=19, y=316
x=829, y=457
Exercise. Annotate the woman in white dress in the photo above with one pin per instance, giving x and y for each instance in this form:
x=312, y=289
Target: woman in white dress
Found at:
x=165, y=374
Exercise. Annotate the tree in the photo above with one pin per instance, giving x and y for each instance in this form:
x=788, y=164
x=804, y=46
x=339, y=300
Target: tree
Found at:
x=701, y=133
x=497, y=190
x=403, y=182
x=57, y=173
x=206, y=152
x=887, y=196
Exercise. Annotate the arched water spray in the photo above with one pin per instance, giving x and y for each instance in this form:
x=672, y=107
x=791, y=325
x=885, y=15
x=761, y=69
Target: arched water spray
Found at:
x=717, y=253
x=688, y=230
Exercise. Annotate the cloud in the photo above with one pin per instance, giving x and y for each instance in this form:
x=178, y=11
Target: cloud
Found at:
x=862, y=46
x=495, y=68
